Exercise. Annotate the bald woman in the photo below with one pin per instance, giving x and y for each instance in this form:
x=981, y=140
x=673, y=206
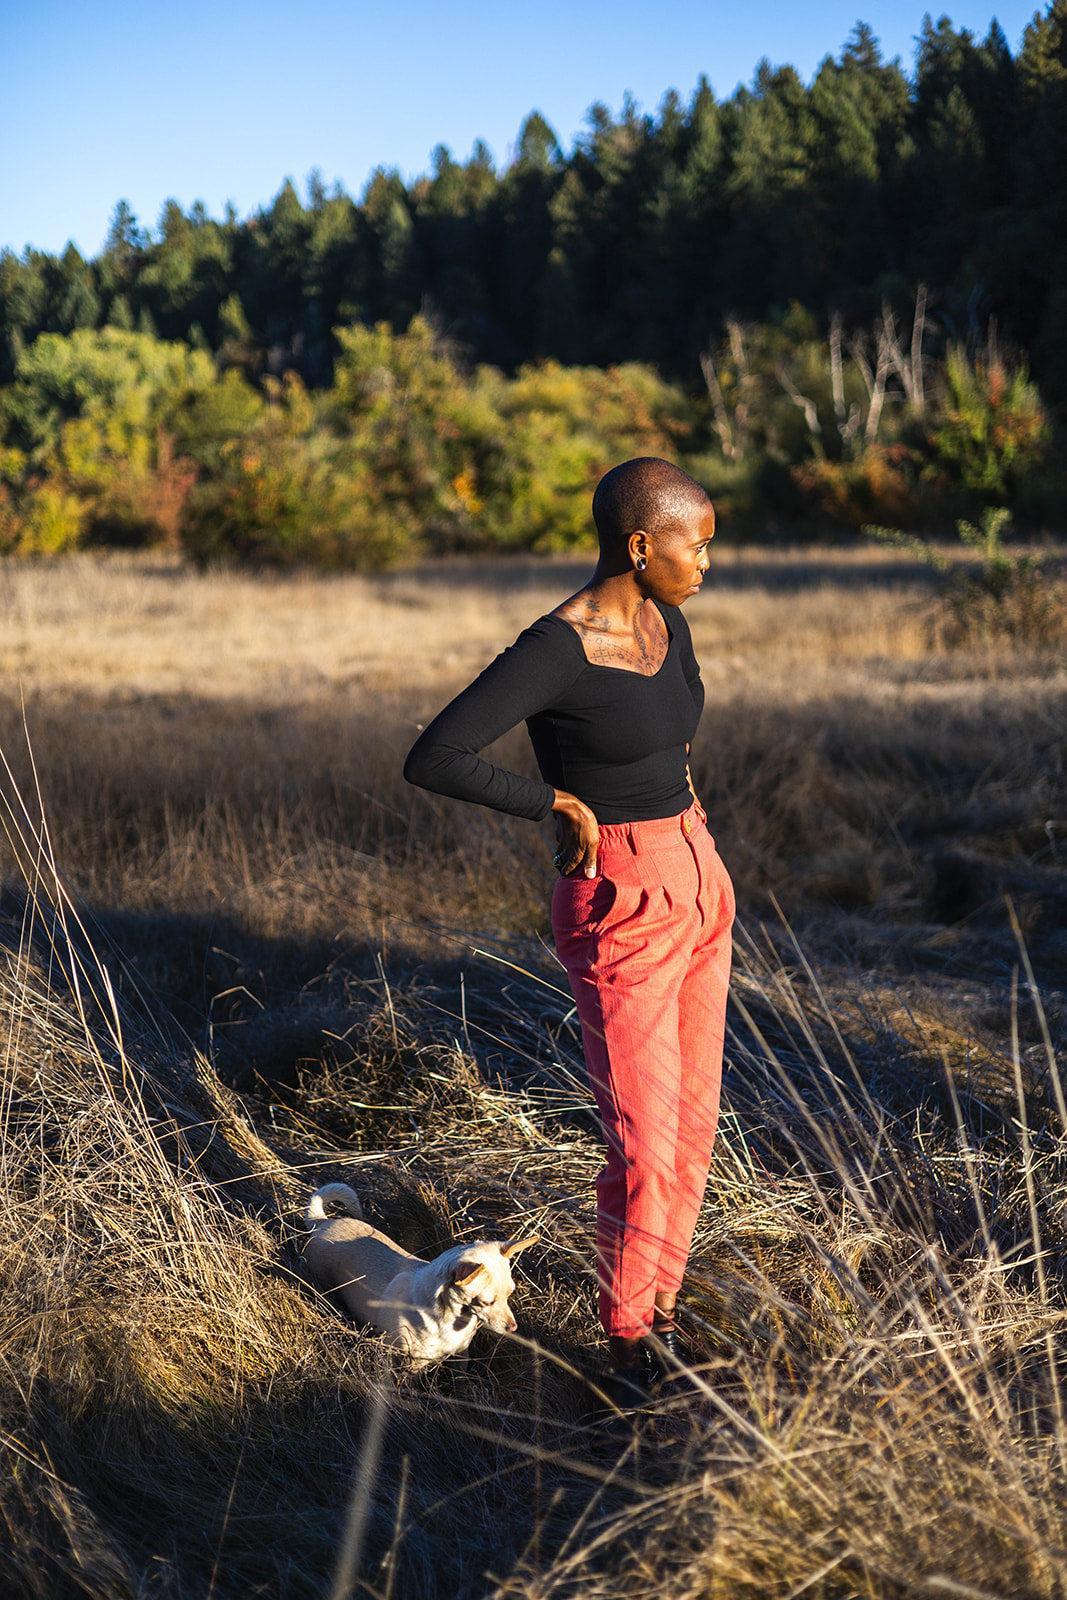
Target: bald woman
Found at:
x=642, y=905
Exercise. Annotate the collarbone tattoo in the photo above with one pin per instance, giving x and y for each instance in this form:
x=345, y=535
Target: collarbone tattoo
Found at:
x=606, y=648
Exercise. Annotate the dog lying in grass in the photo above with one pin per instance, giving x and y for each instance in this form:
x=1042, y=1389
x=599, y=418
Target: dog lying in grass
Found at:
x=427, y=1309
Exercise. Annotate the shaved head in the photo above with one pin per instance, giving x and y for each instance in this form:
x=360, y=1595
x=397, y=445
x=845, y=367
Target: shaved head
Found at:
x=645, y=492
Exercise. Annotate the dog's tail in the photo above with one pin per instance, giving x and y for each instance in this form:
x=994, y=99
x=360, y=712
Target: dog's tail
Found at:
x=345, y=1196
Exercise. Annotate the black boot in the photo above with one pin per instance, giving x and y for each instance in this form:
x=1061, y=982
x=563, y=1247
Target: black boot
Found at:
x=669, y=1350
x=628, y=1385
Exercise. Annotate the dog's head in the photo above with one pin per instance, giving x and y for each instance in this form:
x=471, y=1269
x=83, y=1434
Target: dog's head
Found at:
x=479, y=1282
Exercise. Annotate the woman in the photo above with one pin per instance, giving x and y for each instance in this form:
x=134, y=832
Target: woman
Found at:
x=642, y=909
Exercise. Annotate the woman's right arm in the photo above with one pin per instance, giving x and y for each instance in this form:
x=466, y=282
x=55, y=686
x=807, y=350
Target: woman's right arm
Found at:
x=524, y=678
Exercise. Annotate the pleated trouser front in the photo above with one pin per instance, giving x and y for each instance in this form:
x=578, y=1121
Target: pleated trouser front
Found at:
x=646, y=944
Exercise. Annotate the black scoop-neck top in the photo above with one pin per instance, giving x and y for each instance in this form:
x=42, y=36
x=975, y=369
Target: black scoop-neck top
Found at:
x=614, y=737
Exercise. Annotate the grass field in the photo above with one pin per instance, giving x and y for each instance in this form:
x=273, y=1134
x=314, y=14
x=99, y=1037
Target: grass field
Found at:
x=241, y=957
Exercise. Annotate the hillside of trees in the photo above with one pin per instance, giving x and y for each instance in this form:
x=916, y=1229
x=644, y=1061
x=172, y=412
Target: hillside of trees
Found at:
x=834, y=302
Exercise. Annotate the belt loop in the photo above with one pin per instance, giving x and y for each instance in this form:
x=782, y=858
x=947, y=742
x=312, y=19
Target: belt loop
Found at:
x=631, y=838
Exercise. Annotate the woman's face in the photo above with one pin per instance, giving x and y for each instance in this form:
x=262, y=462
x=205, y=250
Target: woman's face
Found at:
x=678, y=561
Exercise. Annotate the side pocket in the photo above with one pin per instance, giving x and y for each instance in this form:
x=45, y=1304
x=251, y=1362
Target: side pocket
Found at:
x=632, y=905
x=579, y=904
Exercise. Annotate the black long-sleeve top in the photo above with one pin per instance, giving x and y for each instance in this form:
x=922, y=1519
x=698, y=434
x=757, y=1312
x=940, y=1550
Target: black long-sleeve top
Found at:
x=614, y=737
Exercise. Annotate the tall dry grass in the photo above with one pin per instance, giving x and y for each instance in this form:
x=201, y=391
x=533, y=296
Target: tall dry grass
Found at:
x=237, y=959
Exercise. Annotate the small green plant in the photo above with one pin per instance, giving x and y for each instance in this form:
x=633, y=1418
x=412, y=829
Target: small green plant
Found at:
x=1011, y=596
x=998, y=567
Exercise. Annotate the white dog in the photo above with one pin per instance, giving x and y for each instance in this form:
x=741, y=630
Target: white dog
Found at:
x=428, y=1309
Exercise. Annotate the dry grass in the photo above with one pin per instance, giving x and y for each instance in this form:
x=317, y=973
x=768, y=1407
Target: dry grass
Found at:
x=246, y=959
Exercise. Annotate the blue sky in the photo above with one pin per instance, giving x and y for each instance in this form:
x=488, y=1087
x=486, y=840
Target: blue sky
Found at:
x=106, y=99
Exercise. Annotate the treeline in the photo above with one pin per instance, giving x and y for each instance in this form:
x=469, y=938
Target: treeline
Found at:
x=637, y=243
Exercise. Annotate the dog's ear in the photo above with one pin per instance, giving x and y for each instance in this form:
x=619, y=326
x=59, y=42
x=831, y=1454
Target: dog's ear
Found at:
x=465, y=1272
x=519, y=1244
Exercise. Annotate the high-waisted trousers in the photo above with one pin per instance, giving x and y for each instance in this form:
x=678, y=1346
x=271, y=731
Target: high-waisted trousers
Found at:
x=646, y=944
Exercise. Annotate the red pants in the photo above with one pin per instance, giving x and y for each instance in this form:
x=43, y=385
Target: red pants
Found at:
x=646, y=945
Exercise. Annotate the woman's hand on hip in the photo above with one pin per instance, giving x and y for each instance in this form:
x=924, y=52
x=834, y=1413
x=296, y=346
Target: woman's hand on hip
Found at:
x=577, y=835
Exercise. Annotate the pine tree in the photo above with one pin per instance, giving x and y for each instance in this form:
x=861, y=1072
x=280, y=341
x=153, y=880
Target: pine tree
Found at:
x=537, y=147
x=73, y=301
x=119, y=314
x=123, y=250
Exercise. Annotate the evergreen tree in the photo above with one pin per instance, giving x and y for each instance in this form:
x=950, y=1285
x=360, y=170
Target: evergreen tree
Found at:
x=392, y=274
x=119, y=314
x=538, y=148
x=23, y=301
x=316, y=190
x=72, y=299
x=523, y=238
x=699, y=220
x=771, y=252
x=1040, y=221
x=123, y=251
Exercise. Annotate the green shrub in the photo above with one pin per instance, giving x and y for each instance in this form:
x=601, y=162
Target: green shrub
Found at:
x=992, y=426
x=47, y=519
x=91, y=411
x=124, y=380
x=289, y=494
x=561, y=429
x=206, y=420
x=425, y=444
x=884, y=482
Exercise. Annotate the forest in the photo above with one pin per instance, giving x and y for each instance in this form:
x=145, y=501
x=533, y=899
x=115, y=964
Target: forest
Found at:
x=835, y=303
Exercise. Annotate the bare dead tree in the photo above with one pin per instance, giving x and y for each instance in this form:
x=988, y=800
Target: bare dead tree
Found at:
x=837, y=377
x=735, y=334
x=917, y=395
x=890, y=359
x=731, y=428
x=881, y=374
x=718, y=406
x=857, y=350
x=909, y=369
x=811, y=415
x=875, y=381
x=847, y=422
